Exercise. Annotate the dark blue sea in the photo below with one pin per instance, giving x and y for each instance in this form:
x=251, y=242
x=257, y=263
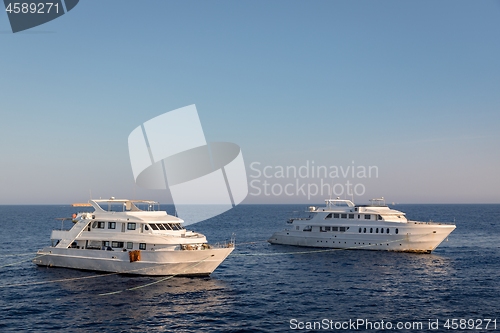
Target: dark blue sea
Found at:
x=262, y=287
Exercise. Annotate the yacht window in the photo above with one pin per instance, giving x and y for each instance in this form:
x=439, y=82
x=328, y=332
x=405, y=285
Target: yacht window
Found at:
x=327, y=228
x=364, y=230
x=160, y=226
x=368, y=217
x=329, y=216
x=351, y=216
x=130, y=226
x=376, y=231
x=116, y=244
x=359, y=216
x=105, y=243
x=142, y=246
x=168, y=226
x=371, y=230
x=397, y=230
x=98, y=225
x=111, y=225
x=146, y=227
x=154, y=226
x=335, y=228
x=336, y=215
x=387, y=230
x=130, y=245
x=359, y=230
x=342, y=229
x=379, y=217
x=344, y=216
x=321, y=229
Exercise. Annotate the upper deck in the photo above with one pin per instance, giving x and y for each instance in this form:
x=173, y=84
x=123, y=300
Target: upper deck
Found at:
x=376, y=210
x=131, y=210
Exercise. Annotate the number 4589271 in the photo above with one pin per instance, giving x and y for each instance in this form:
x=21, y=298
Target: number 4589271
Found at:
x=33, y=8
x=470, y=324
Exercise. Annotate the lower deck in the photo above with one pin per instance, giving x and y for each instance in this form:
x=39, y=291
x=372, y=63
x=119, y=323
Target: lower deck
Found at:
x=180, y=262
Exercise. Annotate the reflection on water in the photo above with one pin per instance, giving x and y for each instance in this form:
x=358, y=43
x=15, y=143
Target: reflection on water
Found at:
x=169, y=303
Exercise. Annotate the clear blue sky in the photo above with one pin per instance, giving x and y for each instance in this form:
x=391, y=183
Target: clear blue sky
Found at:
x=411, y=87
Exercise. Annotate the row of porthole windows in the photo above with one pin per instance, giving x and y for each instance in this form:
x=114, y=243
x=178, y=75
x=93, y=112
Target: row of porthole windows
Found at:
x=364, y=230
x=333, y=242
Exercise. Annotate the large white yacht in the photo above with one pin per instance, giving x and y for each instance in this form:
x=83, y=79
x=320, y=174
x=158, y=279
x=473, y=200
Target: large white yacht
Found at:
x=120, y=237
x=341, y=224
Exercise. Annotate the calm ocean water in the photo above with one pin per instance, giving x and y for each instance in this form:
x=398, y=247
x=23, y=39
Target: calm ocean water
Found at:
x=260, y=287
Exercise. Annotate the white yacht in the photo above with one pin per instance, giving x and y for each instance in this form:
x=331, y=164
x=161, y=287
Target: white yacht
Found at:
x=341, y=224
x=120, y=237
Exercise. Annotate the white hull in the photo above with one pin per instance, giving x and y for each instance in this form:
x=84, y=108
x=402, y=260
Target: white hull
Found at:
x=181, y=262
x=412, y=237
x=119, y=237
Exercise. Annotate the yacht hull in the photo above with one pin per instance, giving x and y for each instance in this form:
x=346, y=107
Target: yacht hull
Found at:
x=412, y=237
x=159, y=263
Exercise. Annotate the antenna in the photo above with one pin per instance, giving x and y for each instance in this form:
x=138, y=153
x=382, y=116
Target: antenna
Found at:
x=331, y=192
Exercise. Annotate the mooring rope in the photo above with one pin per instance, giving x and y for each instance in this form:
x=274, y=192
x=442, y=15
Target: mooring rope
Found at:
x=21, y=261
x=54, y=281
x=17, y=254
